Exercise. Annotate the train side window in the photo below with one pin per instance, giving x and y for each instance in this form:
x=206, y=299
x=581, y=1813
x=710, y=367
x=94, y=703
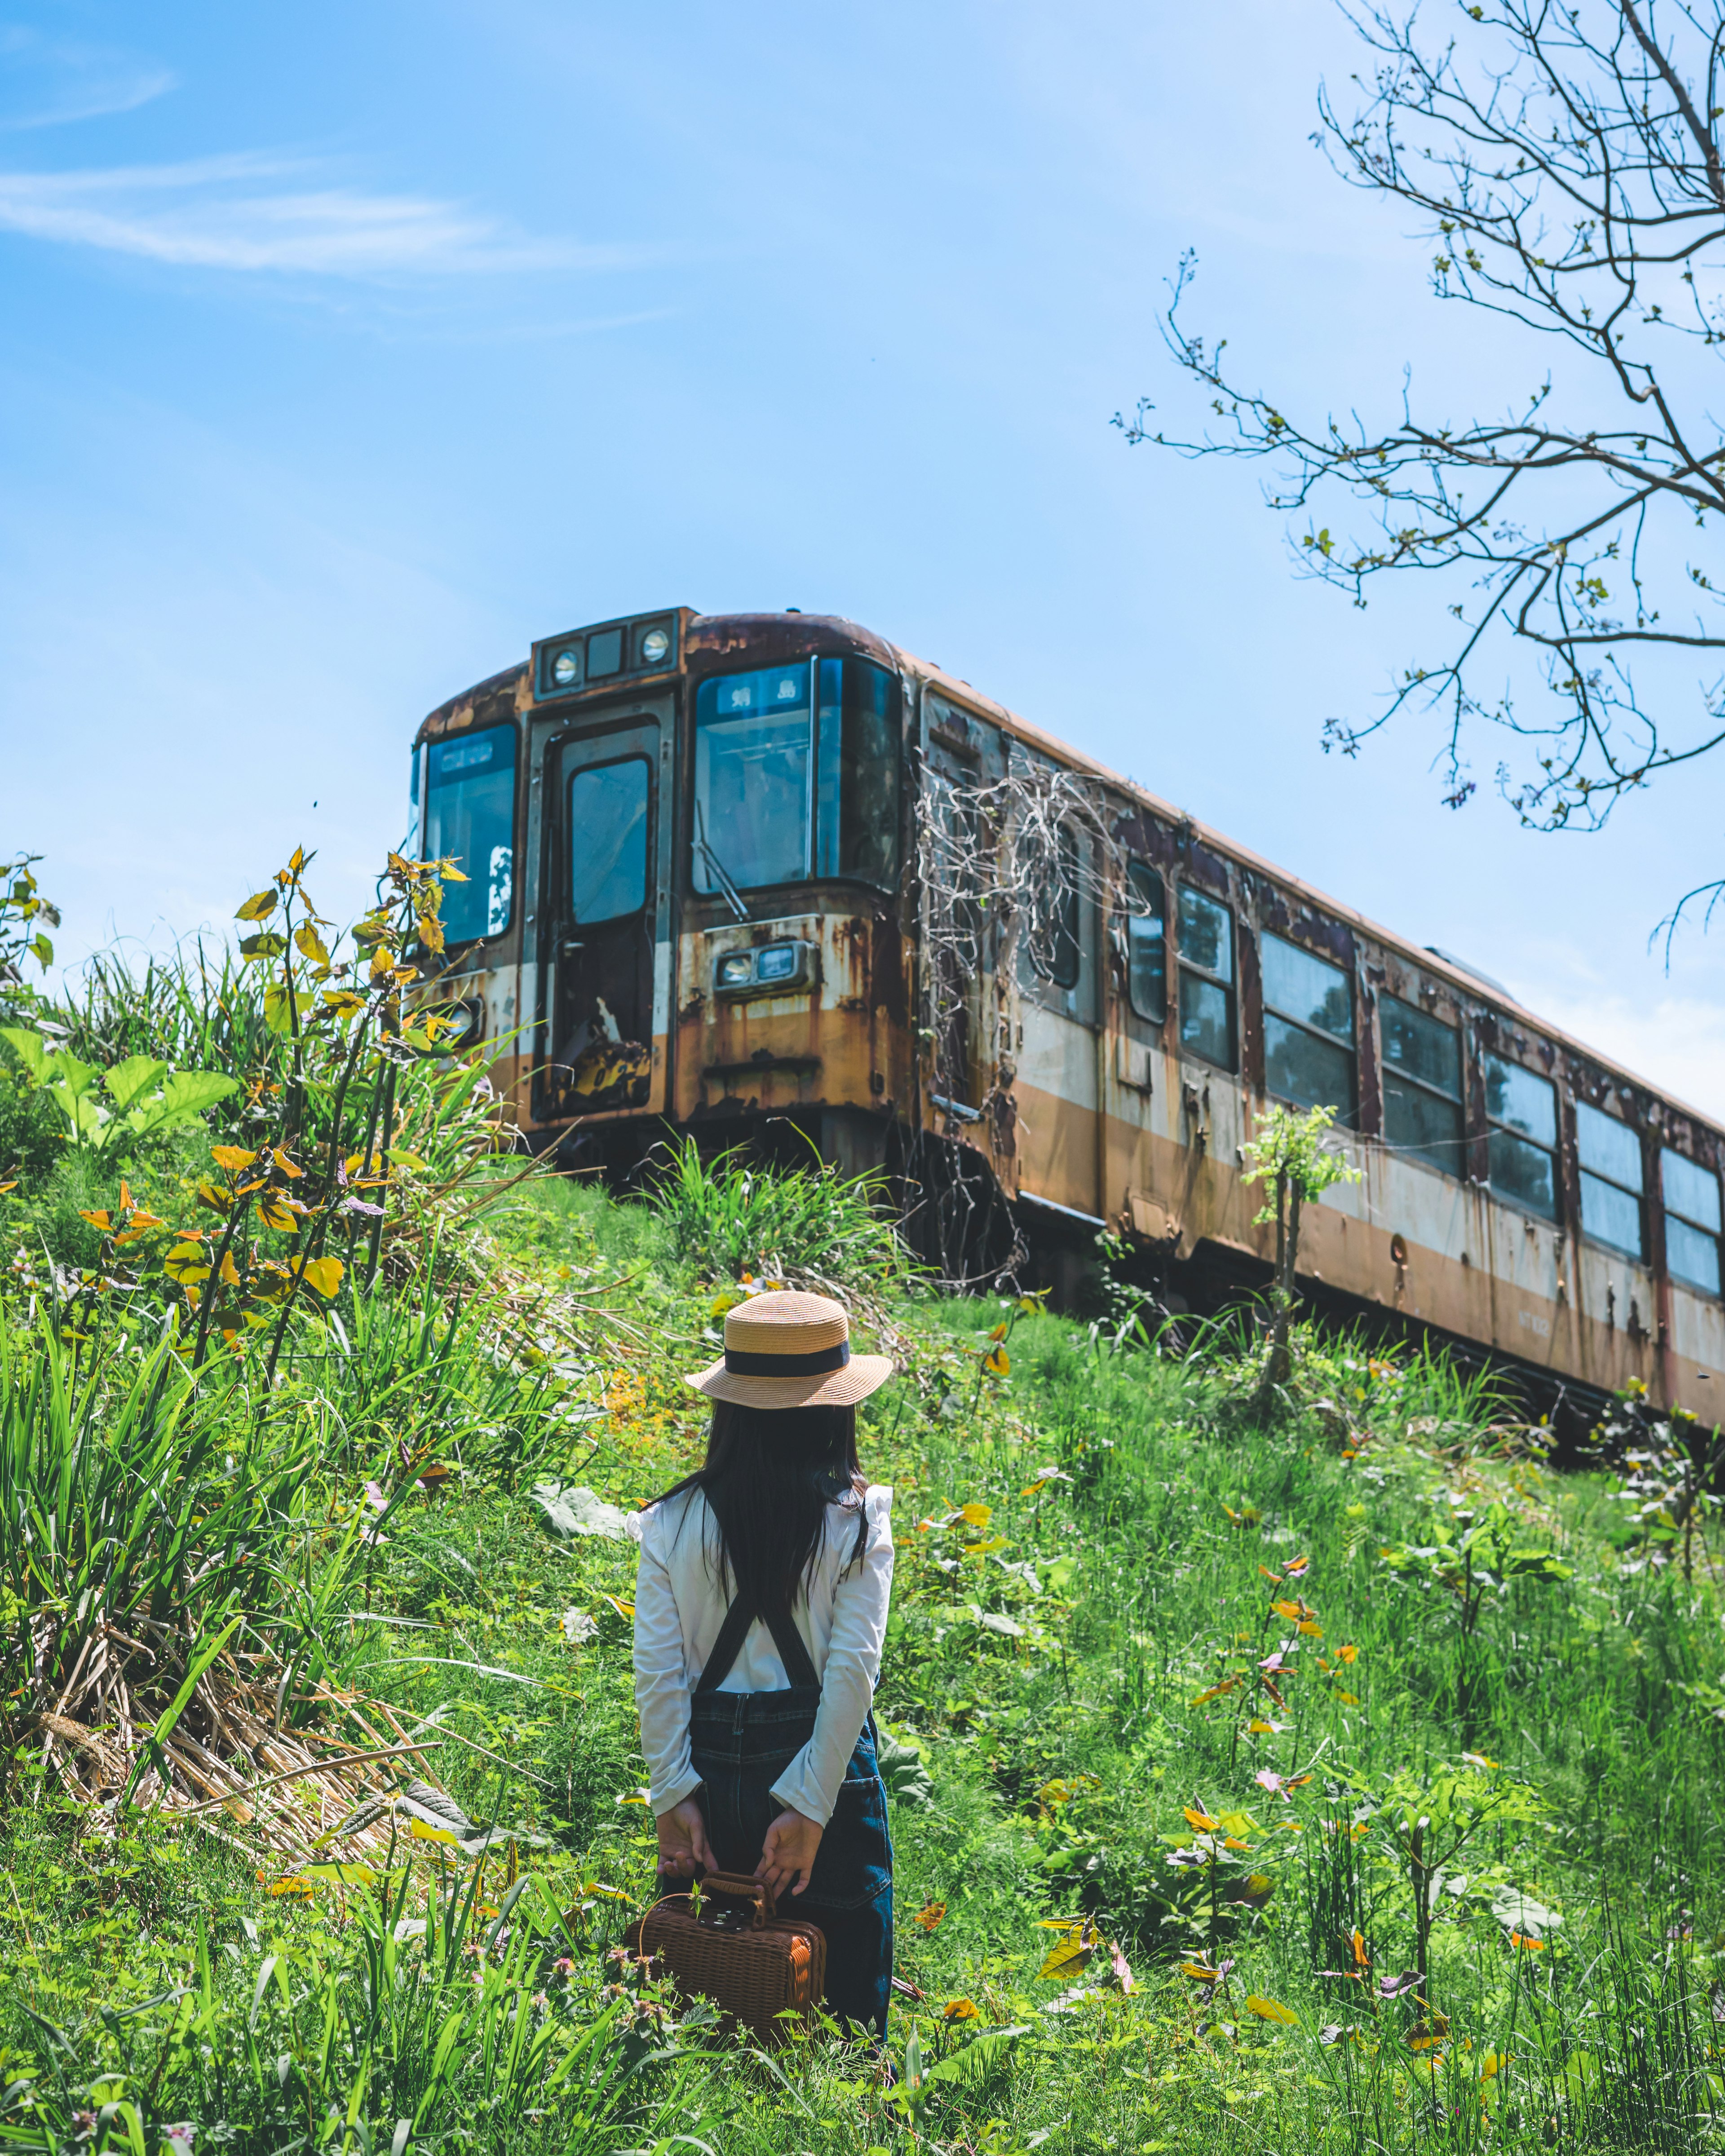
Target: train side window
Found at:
x=469, y=813
x=751, y=778
x=1146, y=942
x=1610, y=1154
x=1206, y=955
x=1051, y=949
x=1422, y=1085
x=1522, y=1109
x=856, y=814
x=1308, y=1028
x=608, y=841
x=1692, y=1221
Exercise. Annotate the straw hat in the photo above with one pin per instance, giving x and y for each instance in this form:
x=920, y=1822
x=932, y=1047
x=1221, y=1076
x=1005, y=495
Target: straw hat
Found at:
x=791, y=1351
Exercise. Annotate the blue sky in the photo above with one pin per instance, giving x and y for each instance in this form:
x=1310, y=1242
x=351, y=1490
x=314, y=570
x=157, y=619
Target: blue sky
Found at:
x=347, y=350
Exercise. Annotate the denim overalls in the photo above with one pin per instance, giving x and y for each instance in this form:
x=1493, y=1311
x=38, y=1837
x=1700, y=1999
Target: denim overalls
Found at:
x=740, y=1742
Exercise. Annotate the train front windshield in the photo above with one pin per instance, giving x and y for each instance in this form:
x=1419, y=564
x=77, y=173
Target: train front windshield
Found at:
x=796, y=775
x=470, y=815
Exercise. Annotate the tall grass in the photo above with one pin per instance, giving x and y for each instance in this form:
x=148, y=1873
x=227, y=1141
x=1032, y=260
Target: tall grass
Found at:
x=727, y=1217
x=421, y=2023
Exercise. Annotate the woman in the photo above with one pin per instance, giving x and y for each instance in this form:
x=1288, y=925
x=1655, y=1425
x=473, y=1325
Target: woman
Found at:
x=760, y=1610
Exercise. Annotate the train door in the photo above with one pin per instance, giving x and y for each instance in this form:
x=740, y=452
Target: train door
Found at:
x=608, y=1049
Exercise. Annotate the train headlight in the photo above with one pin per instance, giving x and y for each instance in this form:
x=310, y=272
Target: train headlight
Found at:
x=655, y=648
x=777, y=961
x=565, y=667
x=736, y=969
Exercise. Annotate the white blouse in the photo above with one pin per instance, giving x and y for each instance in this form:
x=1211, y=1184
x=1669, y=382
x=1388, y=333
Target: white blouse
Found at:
x=840, y=1612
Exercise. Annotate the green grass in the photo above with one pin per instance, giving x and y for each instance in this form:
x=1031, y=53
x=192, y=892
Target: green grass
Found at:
x=1078, y=1667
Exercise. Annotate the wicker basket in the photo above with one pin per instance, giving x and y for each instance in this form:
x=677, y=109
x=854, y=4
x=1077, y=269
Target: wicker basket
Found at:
x=752, y=1963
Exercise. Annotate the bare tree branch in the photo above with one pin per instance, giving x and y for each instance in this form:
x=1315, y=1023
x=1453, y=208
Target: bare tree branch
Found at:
x=1566, y=161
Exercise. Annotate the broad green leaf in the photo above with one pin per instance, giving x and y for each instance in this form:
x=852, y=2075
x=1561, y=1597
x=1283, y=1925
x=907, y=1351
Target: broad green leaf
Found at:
x=130, y=1081
x=30, y=1049
x=188, y=1093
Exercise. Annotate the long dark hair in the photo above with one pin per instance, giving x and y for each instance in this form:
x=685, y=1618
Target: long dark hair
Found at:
x=770, y=1475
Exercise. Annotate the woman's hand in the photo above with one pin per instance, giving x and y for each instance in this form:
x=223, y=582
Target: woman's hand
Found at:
x=682, y=1842
x=788, y=1852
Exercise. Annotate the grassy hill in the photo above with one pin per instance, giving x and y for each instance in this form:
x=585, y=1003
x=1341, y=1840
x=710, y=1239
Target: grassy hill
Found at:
x=1352, y=1784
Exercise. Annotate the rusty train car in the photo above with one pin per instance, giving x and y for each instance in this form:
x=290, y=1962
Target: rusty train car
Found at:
x=696, y=899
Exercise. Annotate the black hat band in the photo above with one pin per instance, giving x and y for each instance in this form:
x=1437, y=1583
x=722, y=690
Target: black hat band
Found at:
x=739, y=1363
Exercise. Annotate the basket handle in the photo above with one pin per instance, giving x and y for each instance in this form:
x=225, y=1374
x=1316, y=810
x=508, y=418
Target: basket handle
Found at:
x=745, y=1888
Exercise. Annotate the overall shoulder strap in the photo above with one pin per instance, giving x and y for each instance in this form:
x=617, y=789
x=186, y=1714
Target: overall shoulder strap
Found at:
x=788, y=1641
x=797, y=1667
x=727, y=1646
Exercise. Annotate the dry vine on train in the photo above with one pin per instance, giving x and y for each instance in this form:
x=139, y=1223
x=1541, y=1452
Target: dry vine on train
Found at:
x=1009, y=870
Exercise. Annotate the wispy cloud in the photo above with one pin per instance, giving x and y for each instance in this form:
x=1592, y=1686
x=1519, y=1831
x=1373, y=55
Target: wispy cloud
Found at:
x=49, y=83
x=256, y=212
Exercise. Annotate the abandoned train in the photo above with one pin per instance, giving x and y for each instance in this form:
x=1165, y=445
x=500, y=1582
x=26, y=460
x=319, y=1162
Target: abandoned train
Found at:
x=739, y=873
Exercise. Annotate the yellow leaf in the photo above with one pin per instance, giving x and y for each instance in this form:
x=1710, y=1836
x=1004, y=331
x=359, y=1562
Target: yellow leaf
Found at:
x=258, y=907
x=5, y=1187
x=421, y=1832
x=97, y=1220
x=300, y=1888
x=231, y=1159
x=998, y=1363
x=213, y=1195
x=988, y=1548
x=284, y=1163
x=1271, y=2010
x=1200, y=1972
x=1293, y=1611
x=625, y=1610
x=1348, y=1698
x=978, y=1515
x=999, y=1333
x=186, y=1262
x=431, y=931
x=1311, y=1631
x=230, y=1270
x=324, y=1275
x=344, y=1875
x=929, y=1916
x=961, y=2010
x=1215, y=1691
x=1348, y=1654
x=450, y=873
x=1238, y=1822
x=1067, y=1956
x=275, y=1214
x=1201, y=1820
x=311, y=945
x=298, y=862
